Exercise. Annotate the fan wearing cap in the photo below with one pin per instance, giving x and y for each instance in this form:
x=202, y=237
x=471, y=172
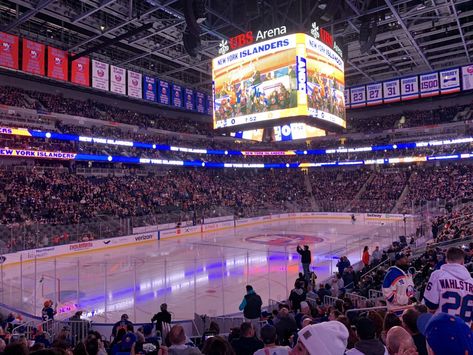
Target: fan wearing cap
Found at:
x=450, y=289
x=269, y=336
x=328, y=338
x=398, y=286
x=446, y=334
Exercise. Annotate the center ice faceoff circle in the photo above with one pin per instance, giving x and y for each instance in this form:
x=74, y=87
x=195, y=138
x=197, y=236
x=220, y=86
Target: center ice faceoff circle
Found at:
x=283, y=239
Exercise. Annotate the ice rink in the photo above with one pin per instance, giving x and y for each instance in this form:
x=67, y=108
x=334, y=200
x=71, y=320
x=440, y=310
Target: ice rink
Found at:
x=203, y=274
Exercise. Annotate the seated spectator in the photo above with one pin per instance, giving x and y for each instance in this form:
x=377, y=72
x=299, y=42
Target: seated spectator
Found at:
x=269, y=337
x=368, y=344
x=285, y=325
x=328, y=338
x=178, y=340
x=217, y=345
x=247, y=343
x=398, y=342
x=409, y=323
x=445, y=334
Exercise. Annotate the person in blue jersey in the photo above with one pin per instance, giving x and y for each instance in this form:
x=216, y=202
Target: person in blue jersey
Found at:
x=398, y=286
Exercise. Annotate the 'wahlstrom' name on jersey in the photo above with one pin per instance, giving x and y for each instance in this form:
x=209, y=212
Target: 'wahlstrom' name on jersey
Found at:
x=450, y=290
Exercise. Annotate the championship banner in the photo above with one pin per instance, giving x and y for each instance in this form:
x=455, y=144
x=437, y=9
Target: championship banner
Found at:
x=33, y=57
x=177, y=96
x=80, y=71
x=449, y=81
x=164, y=94
x=57, y=64
x=410, y=88
x=100, y=75
x=117, y=82
x=135, y=84
x=358, y=96
x=392, y=92
x=429, y=85
x=467, y=77
x=149, y=88
x=346, y=93
x=9, y=51
x=189, y=99
x=374, y=94
x=200, y=102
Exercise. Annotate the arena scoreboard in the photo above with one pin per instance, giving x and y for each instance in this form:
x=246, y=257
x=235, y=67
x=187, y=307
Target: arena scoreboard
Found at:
x=291, y=78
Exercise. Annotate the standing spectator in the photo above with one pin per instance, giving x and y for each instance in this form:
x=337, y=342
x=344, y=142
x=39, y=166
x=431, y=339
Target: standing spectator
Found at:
x=48, y=312
x=376, y=256
x=178, y=340
x=162, y=317
x=398, y=287
x=348, y=277
x=269, y=337
x=306, y=259
x=452, y=282
x=409, y=323
x=297, y=295
x=365, y=257
x=337, y=285
x=247, y=343
x=368, y=344
x=123, y=323
x=342, y=264
x=251, y=306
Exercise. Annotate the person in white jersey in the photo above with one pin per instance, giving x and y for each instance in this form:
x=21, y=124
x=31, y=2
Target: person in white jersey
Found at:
x=450, y=289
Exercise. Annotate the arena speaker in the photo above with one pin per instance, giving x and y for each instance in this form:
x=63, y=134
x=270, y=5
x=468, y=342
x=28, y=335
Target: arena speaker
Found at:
x=368, y=33
x=194, y=13
x=331, y=7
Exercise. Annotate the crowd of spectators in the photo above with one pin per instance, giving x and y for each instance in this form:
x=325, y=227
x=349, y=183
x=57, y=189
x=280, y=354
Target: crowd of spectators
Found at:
x=94, y=109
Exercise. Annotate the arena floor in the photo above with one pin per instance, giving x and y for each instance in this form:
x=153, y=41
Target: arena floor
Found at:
x=204, y=274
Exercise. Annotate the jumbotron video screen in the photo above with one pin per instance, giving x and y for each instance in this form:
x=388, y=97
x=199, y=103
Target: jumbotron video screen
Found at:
x=290, y=76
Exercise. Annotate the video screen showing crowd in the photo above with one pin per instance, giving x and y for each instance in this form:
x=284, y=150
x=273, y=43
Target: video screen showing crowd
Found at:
x=248, y=90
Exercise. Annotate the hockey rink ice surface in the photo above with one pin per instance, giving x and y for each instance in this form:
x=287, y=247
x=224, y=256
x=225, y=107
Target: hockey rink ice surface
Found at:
x=203, y=274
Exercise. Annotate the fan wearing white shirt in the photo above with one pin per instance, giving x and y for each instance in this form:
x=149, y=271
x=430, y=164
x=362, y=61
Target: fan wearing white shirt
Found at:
x=269, y=336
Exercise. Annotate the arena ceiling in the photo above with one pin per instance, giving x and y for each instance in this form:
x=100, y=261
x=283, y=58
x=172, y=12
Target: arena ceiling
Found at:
x=413, y=36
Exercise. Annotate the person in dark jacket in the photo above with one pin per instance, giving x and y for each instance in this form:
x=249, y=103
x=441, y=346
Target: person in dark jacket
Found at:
x=161, y=317
x=342, y=264
x=247, y=343
x=123, y=323
x=368, y=344
x=251, y=305
x=306, y=259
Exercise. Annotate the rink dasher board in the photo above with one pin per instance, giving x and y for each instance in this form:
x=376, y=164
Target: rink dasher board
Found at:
x=52, y=252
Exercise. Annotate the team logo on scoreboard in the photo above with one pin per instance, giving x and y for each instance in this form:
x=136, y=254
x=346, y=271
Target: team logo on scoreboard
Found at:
x=283, y=239
x=223, y=47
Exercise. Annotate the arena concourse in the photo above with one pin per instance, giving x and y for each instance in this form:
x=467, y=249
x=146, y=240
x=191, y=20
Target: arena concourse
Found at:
x=240, y=177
